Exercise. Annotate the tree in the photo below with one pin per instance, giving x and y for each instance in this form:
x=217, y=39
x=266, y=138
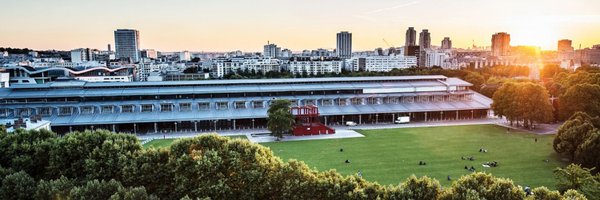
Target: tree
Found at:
x=574, y=133
x=476, y=79
x=54, y=189
x=575, y=99
x=190, y=70
x=574, y=177
x=523, y=102
x=17, y=186
x=96, y=190
x=280, y=122
x=483, y=186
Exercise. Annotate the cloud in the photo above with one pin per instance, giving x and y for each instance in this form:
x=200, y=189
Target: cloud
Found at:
x=392, y=8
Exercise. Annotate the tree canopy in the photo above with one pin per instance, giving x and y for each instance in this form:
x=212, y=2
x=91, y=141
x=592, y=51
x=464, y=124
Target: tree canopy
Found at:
x=524, y=102
x=114, y=166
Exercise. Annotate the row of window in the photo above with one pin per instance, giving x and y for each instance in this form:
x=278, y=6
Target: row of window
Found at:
x=224, y=105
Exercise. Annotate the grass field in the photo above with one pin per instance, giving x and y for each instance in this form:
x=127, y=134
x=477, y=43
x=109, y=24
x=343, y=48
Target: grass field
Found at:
x=157, y=143
x=388, y=156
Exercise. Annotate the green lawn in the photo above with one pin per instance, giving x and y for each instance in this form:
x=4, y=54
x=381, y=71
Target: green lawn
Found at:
x=388, y=156
x=157, y=143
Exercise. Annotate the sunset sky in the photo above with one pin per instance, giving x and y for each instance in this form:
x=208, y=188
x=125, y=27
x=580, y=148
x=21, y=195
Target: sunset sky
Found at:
x=226, y=25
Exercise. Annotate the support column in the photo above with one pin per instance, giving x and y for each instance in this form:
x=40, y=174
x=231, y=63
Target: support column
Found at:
x=359, y=119
x=175, y=126
x=252, y=123
x=393, y=118
x=425, y=116
x=215, y=125
x=70, y=128
x=114, y=129
x=457, y=115
x=376, y=118
x=325, y=120
x=343, y=122
x=155, y=127
x=472, y=115
x=234, y=124
x=195, y=126
x=134, y=128
x=441, y=115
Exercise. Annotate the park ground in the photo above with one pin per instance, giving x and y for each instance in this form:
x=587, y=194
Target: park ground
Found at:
x=388, y=156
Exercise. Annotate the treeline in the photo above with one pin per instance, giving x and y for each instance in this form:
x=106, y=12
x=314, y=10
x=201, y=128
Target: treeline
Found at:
x=15, y=50
x=104, y=165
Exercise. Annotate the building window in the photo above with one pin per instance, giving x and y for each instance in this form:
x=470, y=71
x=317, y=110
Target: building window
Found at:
x=341, y=102
x=127, y=108
x=204, y=106
x=309, y=102
x=4, y=112
x=356, y=101
x=107, y=109
x=258, y=104
x=65, y=111
x=184, y=107
x=166, y=107
x=294, y=103
x=45, y=111
x=22, y=112
x=222, y=105
x=87, y=109
x=240, y=105
x=326, y=102
x=147, y=107
x=372, y=101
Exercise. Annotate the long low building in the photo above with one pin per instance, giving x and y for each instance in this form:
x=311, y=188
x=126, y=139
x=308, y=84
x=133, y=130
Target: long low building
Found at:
x=173, y=106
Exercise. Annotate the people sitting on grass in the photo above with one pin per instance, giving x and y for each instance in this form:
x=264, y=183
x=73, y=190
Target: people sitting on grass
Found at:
x=347, y=161
x=472, y=169
x=490, y=164
x=449, y=179
x=341, y=150
x=482, y=150
x=422, y=163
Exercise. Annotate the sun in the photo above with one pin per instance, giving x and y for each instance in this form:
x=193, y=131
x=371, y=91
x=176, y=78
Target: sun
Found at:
x=540, y=35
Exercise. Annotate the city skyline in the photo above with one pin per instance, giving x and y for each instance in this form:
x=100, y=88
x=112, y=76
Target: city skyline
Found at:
x=217, y=26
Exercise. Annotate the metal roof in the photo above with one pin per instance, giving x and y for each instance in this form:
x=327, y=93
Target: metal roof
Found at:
x=311, y=84
x=479, y=102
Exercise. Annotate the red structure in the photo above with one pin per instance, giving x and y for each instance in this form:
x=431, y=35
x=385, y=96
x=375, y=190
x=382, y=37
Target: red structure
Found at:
x=308, y=123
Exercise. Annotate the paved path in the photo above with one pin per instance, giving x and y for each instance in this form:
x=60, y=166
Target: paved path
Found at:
x=262, y=135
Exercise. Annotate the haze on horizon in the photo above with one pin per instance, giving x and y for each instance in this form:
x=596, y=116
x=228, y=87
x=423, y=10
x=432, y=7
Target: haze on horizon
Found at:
x=229, y=25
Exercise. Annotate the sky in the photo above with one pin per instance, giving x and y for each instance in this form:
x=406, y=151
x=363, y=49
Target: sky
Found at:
x=247, y=25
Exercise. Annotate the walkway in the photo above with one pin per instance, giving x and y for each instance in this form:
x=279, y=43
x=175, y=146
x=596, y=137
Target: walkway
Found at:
x=262, y=135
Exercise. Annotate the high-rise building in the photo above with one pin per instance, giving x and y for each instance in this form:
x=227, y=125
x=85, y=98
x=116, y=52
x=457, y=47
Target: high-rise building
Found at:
x=501, y=44
x=344, y=44
x=446, y=43
x=566, y=52
x=81, y=55
x=411, y=37
x=127, y=44
x=425, y=39
x=271, y=51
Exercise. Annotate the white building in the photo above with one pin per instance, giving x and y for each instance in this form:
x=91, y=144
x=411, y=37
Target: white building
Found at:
x=314, y=67
x=223, y=66
x=149, y=53
x=4, y=80
x=435, y=57
x=382, y=63
x=105, y=79
x=81, y=55
x=185, y=56
x=271, y=51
